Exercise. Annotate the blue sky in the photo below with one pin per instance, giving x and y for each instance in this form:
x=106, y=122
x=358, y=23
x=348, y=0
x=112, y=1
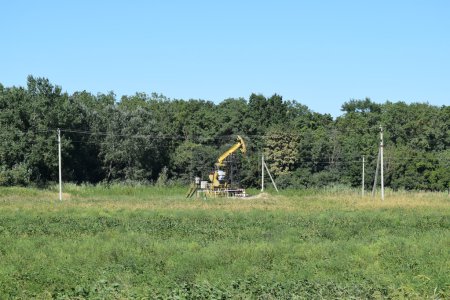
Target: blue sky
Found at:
x=320, y=53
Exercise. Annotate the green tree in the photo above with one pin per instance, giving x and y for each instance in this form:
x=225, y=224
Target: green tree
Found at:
x=192, y=159
x=130, y=149
x=29, y=120
x=281, y=149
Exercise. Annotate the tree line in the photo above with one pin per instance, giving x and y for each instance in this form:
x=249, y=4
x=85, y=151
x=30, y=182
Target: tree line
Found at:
x=152, y=139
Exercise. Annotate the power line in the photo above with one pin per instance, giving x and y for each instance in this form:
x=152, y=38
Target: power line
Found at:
x=91, y=132
x=389, y=159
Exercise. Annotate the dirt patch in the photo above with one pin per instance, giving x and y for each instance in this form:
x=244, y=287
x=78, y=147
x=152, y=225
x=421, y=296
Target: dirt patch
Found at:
x=263, y=196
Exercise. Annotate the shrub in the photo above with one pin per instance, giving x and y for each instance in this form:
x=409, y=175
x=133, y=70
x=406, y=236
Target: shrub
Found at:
x=19, y=175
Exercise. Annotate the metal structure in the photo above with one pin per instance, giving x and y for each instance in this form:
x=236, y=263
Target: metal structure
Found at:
x=379, y=164
x=219, y=183
x=263, y=165
x=59, y=165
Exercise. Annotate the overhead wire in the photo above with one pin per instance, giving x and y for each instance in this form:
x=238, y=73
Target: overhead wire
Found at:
x=176, y=136
x=389, y=159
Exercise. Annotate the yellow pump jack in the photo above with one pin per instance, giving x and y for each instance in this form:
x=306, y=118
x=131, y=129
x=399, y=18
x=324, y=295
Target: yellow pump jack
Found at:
x=217, y=185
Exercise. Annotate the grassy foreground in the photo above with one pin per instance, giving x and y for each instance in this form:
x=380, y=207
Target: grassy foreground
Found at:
x=148, y=242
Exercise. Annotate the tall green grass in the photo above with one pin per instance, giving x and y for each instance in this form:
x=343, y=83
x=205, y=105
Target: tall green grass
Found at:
x=138, y=242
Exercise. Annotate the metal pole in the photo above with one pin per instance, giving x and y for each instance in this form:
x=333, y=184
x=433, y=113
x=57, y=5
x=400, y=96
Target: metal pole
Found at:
x=59, y=159
x=273, y=181
x=362, y=187
x=376, y=174
x=262, y=173
x=381, y=154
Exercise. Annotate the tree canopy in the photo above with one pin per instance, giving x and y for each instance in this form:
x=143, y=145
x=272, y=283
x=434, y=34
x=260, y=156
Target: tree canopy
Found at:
x=141, y=137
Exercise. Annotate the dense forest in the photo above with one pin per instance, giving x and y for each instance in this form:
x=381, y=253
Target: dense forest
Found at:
x=152, y=139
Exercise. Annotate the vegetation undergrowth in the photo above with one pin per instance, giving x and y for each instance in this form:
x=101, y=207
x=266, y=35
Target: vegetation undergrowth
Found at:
x=125, y=242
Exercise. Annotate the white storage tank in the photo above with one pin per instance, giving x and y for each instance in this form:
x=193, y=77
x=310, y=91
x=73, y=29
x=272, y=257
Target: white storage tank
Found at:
x=203, y=184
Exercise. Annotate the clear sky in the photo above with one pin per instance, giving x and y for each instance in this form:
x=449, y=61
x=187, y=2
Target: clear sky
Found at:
x=320, y=53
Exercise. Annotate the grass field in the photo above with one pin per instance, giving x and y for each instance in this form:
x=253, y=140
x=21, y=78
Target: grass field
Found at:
x=124, y=242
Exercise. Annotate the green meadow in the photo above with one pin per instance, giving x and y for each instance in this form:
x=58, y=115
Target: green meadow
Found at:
x=124, y=242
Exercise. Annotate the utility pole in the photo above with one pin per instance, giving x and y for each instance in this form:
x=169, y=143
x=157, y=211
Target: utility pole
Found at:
x=381, y=154
x=376, y=174
x=362, y=185
x=262, y=173
x=271, y=178
x=59, y=159
x=380, y=162
x=263, y=165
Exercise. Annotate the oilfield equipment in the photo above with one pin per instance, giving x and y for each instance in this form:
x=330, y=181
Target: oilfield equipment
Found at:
x=219, y=183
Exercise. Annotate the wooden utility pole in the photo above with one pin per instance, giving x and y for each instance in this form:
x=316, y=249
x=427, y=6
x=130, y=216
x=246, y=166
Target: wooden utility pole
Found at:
x=59, y=164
